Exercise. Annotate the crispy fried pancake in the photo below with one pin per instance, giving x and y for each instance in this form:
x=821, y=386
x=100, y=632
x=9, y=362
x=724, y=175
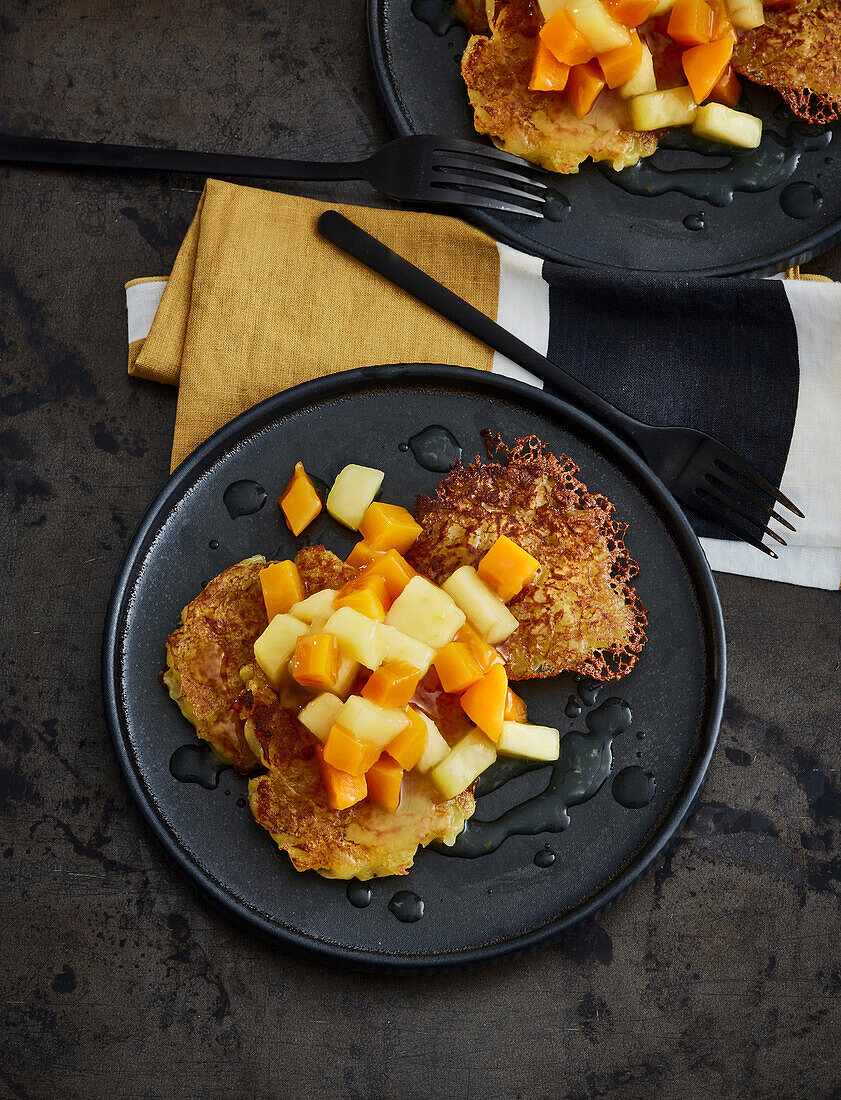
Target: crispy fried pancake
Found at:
x=290, y=802
x=540, y=126
x=580, y=614
x=320, y=569
x=474, y=15
x=797, y=52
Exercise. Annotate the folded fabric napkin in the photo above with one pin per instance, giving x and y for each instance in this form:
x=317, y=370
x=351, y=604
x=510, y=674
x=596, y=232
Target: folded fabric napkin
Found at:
x=257, y=301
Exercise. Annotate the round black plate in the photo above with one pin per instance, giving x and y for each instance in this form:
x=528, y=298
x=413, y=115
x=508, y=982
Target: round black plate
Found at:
x=418, y=76
x=475, y=910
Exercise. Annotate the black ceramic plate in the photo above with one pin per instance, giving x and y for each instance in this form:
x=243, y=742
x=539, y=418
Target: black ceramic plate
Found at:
x=418, y=75
x=475, y=909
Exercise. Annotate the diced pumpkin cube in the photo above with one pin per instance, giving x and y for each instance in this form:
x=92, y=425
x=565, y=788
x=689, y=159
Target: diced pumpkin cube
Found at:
x=643, y=81
x=515, y=707
x=397, y=646
x=425, y=612
x=300, y=503
x=691, y=22
x=353, y=491
x=316, y=608
x=484, y=702
x=407, y=747
x=728, y=90
x=464, y=763
x=361, y=556
x=276, y=645
x=722, y=25
x=583, y=87
x=529, y=741
x=704, y=66
x=316, y=660
x=364, y=599
x=394, y=570
x=456, y=666
x=619, y=66
x=319, y=715
x=435, y=748
x=282, y=587
x=746, y=14
x=507, y=568
x=719, y=123
x=370, y=723
x=346, y=752
x=388, y=527
x=561, y=38
x=373, y=581
x=658, y=110
x=343, y=790
x=357, y=636
x=392, y=685
x=547, y=73
x=385, y=778
x=485, y=654
x=631, y=12
x=481, y=606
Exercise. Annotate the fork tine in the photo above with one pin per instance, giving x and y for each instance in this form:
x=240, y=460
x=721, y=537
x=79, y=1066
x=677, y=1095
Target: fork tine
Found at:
x=742, y=490
x=475, y=149
x=479, y=181
x=467, y=198
x=740, y=510
x=696, y=502
x=729, y=459
x=463, y=162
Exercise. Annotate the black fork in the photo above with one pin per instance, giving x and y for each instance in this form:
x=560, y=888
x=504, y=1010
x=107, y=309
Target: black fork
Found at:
x=701, y=472
x=424, y=169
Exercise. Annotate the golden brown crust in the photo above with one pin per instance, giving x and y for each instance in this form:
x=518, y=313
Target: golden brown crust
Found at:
x=580, y=613
x=320, y=568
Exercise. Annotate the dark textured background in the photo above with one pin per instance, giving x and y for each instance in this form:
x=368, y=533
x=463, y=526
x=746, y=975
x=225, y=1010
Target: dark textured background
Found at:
x=717, y=976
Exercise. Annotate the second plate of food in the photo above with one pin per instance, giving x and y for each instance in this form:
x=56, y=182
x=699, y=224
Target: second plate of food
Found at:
x=548, y=844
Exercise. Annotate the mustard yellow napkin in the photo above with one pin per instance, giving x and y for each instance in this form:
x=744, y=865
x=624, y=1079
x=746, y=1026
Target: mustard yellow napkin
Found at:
x=257, y=301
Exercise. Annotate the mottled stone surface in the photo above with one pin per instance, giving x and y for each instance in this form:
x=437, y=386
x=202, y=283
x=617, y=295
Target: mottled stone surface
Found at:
x=717, y=976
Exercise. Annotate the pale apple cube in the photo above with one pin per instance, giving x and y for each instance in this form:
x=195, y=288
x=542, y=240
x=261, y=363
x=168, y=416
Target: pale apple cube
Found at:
x=398, y=646
x=643, y=81
x=357, y=636
x=483, y=608
x=549, y=7
x=592, y=20
x=319, y=716
x=659, y=110
x=435, y=749
x=371, y=723
x=353, y=491
x=425, y=613
x=663, y=6
x=315, y=608
x=276, y=645
x=746, y=14
x=716, y=122
x=529, y=741
x=346, y=676
x=464, y=763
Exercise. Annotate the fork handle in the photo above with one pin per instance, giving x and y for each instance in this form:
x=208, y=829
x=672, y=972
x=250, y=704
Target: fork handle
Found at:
x=371, y=252
x=88, y=154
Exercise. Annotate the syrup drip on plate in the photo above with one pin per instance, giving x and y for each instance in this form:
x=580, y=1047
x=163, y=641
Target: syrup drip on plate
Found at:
x=406, y=906
x=244, y=498
x=556, y=207
x=573, y=708
x=358, y=894
x=435, y=448
x=438, y=15
x=197, y=764
x=633, y=787
x=801, y=200
x=544, y=857
x=695, y=221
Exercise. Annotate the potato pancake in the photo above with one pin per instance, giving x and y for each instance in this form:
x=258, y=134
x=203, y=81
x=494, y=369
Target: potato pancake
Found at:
x=580, y=613
x=540, y=126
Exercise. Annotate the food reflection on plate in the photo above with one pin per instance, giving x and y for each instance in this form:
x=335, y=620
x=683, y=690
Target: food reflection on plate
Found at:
x=372, y=693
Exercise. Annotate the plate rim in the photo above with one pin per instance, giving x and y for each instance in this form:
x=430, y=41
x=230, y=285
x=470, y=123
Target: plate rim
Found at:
x=800, y=252
x=228, y=436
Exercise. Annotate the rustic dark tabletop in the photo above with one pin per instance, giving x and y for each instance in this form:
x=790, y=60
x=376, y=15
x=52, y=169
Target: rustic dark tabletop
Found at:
x=719, y=975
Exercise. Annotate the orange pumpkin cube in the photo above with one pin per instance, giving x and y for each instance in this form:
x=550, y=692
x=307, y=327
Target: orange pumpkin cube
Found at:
x=392, y=685
x=300, y=503
x=407, y=747
x=584, y=87
x=343, y=790
x=515, y=708
x=316, y=660
x=619, y=66
x=722, y=26
x=728, y=90
x=367, y=594
x=561, y=38
x=361, y=556
x=385, y=778
x=704, y=66
x=485, y=654
x=631, y=12
x=456, y=666
x=547, y=73
x=691, y=22
x=394, y=570
x=506, y=568
x=388, y=527
x=484, y=702
x=347, y=753
x=282, y=586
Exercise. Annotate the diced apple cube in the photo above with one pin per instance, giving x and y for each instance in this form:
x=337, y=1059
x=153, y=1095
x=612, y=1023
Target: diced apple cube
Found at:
x=315, y=608
x=549, y=7
x=398, y=646
x=371, y=723
x=716, y=122
x=436, y=747
x=465, y=762
x=484, y=608
x=319, y=716
x=602, y=31
x=746, y=14
x=657, y=110
x=276, y=645
x=353, y=490
x=357, y=636
x=643, y=80
x=663, y=6
x=346, y=676
x=529, y=741
x=426, y=613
